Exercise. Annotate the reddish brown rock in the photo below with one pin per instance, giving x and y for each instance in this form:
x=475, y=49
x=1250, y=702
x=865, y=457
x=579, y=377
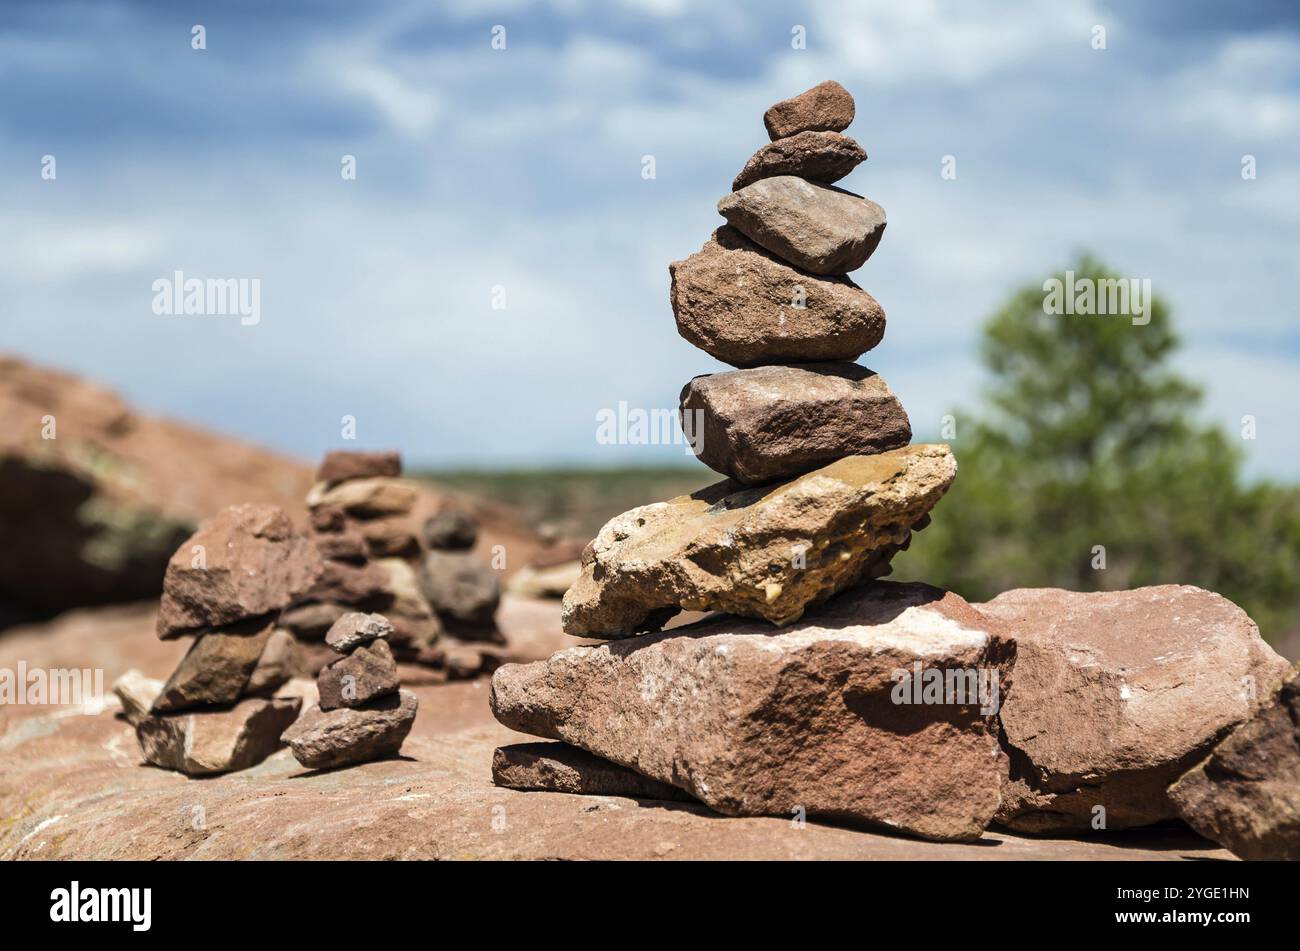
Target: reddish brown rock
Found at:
x=1246, y=794
x=813, y=717
x=244, y=562
x=559, y=767
x=1117, y=694
x=220, y=741
x=765, y=552
x=356, y=629
x=765, y=424
x=342, y=465
x=136, y=693
x=817, y=228
x=389, y=538
x=341, y=546
x=328, y=739
x=823, y=157
x=279, y=663
x=328, y=518
x=345, y=583
x=828, y=106
x=435, y=802
x=310, y=622
x=740, y=303
x=366, y=498
x=366, y=674
x=217, y=667
x=459, y=587
x=451, y=530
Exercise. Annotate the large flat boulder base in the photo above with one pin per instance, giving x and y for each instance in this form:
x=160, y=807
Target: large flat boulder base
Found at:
x=808, y=719
x=1116, y=695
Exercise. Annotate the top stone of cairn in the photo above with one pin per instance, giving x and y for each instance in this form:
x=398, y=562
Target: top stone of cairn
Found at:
x=827, y=107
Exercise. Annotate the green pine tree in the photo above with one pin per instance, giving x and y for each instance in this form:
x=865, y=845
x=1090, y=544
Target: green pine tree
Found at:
x=1089, y=449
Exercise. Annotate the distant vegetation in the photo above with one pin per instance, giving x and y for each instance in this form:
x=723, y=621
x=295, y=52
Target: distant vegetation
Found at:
x=1087, y=452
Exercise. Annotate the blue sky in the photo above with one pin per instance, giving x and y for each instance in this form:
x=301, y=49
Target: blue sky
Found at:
x=521, y=168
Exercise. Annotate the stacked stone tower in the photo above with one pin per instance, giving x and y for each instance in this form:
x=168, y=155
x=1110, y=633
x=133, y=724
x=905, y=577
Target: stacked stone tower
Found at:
x=823, y=487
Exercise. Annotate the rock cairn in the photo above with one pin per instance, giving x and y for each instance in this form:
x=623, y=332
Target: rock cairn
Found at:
x=823, y=488
x=440, y=599
x=225, y=586
x=363, y=714
x=899, y=706
x=361, y=523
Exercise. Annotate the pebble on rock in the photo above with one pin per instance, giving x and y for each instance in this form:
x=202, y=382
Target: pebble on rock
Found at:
x=452, y=530
x=327, y=739
x=366, y=674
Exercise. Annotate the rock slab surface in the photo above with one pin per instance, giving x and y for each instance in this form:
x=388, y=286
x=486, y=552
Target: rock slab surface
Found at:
x=366, y=674
x=327, y=739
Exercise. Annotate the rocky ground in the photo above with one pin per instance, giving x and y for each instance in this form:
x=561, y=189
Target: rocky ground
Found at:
x=74, y=786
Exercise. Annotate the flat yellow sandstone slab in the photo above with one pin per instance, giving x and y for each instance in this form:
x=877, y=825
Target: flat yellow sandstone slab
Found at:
x=765, y=552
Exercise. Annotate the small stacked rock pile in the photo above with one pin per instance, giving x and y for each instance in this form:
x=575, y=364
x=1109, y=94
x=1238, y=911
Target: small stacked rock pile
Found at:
x=225, y=586
x=440, y=600
x=361, y=524
x=363, y=714
x=823, y=487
